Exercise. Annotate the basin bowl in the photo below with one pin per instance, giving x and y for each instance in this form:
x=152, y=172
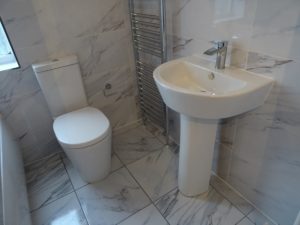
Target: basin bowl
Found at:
x=191, y=87
x=203, y=95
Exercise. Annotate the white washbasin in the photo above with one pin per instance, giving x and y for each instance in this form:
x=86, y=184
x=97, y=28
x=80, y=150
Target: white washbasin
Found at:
x=203, y=95
x=186, y=87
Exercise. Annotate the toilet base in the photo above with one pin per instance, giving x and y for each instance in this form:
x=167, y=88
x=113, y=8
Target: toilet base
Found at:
x=93, y=162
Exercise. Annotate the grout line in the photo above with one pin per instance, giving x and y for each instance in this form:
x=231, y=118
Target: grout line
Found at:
x=237, y=223
x=138, y=184
x=151, y=201
x=134, y=213
x=232, y=189
x=42, y=159
x=112, y=171
x=156, y=134
x=253, y=209
x=123, y=164
x=74, y=190
x=239, y=194
x=126, y=166
x=135, y=160
x=126, y=127
x=100, y=180
x=81, y=208
x=158, y=208
x=147, y=152
x=64, y=195
x=48, y=203
x=228, y=199
x=161, y=214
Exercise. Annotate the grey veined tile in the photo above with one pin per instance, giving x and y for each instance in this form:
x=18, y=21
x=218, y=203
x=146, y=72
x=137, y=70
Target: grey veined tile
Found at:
x=63, y=211
x=147, y=216
x=209, y=208
x=112, y=200
x=259, y=219
x=156, y=172
x=134, y=144
x=239, y=202
x=47, y=180
x=77, y=181
x=245, y=221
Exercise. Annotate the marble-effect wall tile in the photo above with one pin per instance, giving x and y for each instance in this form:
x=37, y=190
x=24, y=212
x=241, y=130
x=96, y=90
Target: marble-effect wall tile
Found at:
x=97, y=32
x=276, y=28
x=261, y=159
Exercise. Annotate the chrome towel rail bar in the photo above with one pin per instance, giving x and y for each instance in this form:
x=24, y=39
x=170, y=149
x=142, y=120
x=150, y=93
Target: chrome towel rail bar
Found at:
x=149, y=41
x=149, y=38
x=150, y=24
x=142, y=15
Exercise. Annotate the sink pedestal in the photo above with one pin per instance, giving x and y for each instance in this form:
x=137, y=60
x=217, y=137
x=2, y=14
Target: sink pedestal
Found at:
x=197, y=140
x=190, y=86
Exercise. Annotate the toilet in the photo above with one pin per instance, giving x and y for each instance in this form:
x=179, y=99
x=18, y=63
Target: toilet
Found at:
x=83, y=132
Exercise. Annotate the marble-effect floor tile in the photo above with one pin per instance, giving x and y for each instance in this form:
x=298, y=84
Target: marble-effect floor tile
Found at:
x=245, y=221
x=147, y=216
x=119, y=199
x=158, y=132
x=112, y=200
x=76, y=179
x=258, y=219
x=208, y=208
x=156, y=172
x=47, y=180
x=239, y=202
x=64, y=211
x=135, y=144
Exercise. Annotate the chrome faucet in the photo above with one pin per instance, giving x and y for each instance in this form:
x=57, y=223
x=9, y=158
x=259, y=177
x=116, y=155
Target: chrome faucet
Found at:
x=220, y=48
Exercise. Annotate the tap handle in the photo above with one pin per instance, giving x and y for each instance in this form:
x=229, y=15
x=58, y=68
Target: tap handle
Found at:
x=219, y=43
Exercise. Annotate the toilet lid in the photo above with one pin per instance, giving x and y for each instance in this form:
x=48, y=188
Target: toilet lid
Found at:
x=81, y=128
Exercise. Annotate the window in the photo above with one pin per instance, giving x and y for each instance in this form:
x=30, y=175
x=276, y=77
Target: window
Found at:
x=8, y=59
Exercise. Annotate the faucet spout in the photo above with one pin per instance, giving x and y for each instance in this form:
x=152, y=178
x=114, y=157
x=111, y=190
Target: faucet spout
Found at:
x=211, y=51
x=220, y=49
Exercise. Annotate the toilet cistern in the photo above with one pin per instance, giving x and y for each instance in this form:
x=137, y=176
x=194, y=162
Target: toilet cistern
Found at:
x=220, y=48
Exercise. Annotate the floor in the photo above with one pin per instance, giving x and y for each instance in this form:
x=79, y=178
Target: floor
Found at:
x=141, y=189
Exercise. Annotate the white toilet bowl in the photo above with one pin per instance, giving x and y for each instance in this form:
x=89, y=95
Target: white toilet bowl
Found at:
x=85, y=136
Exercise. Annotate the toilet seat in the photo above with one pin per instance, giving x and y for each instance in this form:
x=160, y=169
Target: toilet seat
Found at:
x=81, y=128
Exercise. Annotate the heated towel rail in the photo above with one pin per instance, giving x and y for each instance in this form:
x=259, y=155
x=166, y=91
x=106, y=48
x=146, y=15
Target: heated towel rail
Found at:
x=150, y=50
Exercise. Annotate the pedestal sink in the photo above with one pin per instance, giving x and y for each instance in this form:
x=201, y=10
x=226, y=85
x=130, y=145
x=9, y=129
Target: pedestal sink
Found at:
x=203, y=95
